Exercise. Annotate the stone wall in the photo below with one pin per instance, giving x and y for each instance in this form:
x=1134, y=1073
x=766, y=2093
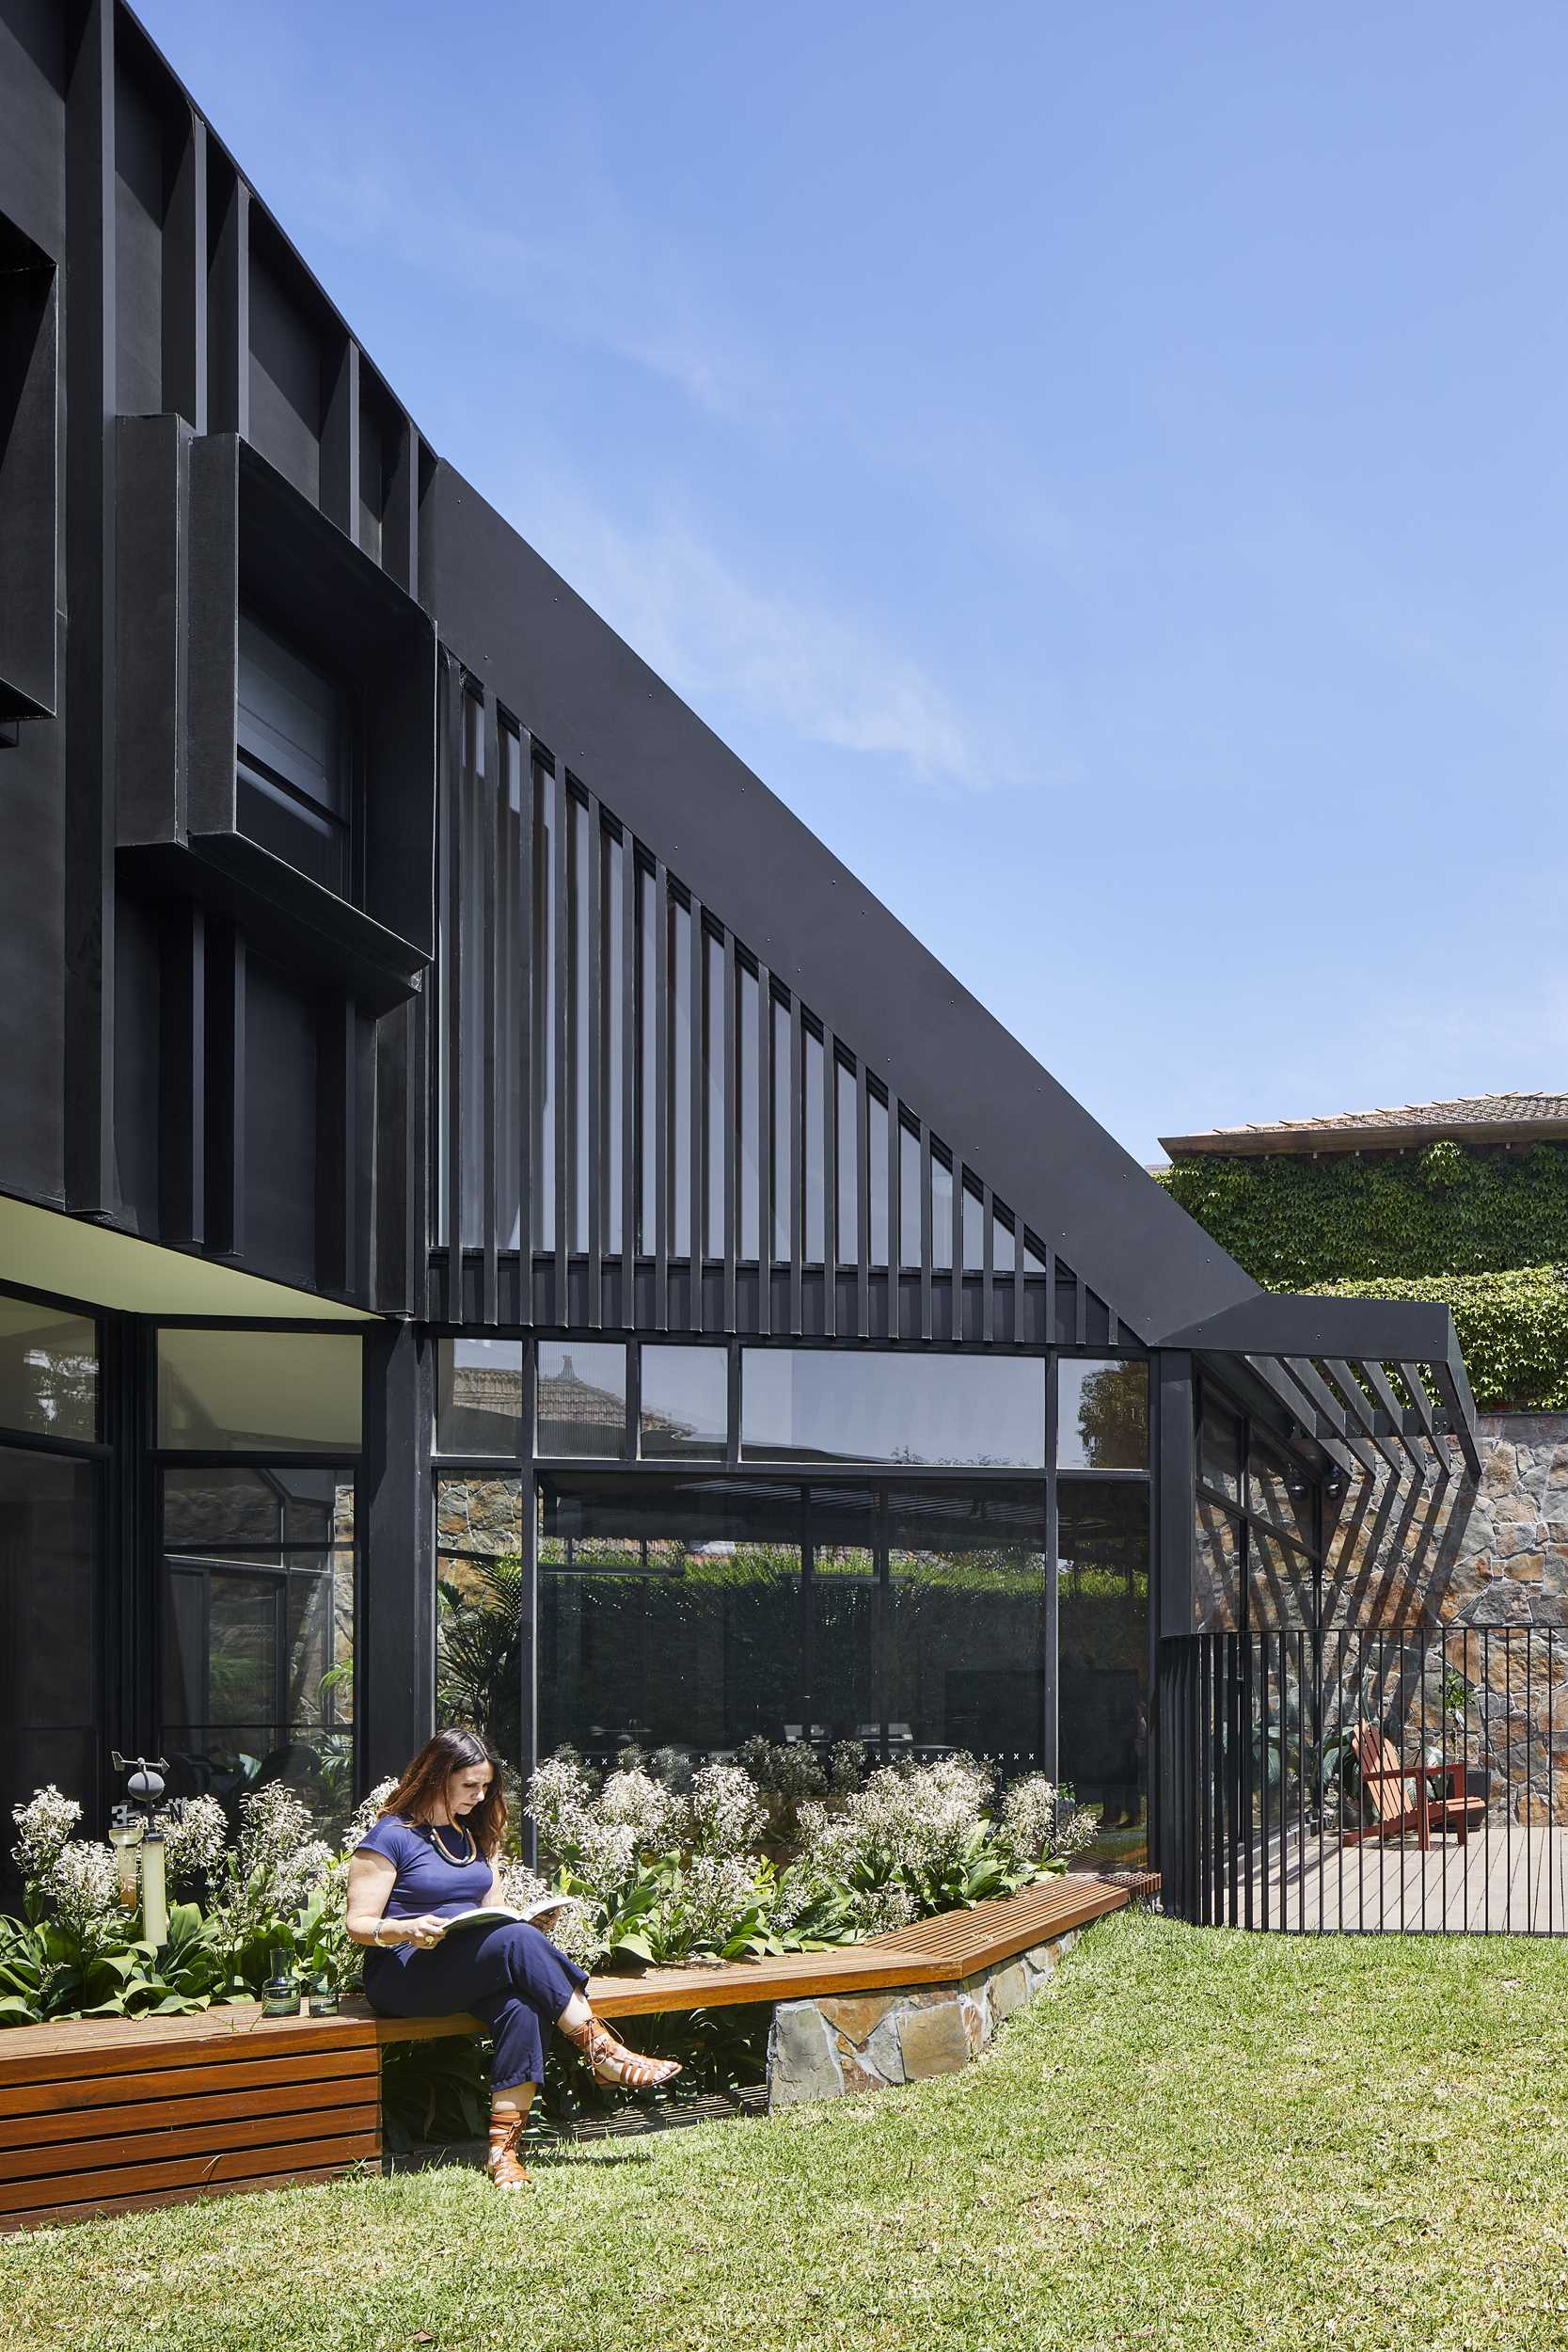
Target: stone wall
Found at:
x=1510, y=1567
x=1460, y=1652
x=825, y=2048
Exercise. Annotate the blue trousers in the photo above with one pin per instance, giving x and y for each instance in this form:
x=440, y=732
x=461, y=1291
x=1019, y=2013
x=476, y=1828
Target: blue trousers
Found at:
x=511, y=1977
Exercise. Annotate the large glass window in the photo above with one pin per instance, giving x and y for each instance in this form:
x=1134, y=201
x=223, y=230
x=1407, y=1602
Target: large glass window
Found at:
x=478, y=1583
x=50, y=1696
x=965, y=1615
x=259, y=1611
x=669, y=1615
x=948, y=1411
x=582, y=1402
x=842, y=1668
x=1257, y=1548
x=1102, y=1414
x=684, y=1412
x=1102, y=1638
x=479, y=1396
x=243, y=1392
x=48, y=1370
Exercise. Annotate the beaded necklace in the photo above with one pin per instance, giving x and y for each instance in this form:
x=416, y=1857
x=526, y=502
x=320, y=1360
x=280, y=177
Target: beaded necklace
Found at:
x=459, y=1861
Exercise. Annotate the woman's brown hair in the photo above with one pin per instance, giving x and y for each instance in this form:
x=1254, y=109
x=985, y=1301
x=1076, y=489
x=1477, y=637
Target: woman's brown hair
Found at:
x=423, y=1784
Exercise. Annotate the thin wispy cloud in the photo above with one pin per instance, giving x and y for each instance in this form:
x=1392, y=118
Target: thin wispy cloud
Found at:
x=695, y=616
x=584, y=267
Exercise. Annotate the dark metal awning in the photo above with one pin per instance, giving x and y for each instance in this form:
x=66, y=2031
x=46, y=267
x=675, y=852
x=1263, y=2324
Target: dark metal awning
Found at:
x=1372, y=1379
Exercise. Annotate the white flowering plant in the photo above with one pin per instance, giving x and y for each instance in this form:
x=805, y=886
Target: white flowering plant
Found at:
x=75, y=1951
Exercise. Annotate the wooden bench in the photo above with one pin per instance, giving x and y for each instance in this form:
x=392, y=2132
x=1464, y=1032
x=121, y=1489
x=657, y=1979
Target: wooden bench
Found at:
x=103, y=2115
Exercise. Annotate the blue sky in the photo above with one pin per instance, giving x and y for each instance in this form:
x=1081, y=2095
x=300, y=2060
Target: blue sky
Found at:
x=1104, y=466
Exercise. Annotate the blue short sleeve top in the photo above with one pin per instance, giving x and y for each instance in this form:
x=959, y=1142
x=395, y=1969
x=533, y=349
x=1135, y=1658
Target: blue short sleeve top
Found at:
x=427, y=1881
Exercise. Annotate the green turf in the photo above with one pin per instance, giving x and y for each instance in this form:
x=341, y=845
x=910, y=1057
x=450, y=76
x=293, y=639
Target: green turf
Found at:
x=1193, y=2139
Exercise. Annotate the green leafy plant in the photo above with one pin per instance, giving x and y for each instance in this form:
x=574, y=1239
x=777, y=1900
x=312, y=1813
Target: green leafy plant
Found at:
x=1481, y=1231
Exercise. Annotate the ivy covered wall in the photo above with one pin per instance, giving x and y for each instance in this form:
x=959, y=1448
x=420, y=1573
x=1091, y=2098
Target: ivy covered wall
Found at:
x=1485, y=1232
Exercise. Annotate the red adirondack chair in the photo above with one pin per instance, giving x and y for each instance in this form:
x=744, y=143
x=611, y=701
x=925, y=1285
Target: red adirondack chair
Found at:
x=1441, y=1797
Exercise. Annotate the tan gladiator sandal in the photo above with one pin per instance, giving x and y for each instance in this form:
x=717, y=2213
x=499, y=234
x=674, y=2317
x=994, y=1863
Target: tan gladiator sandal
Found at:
x=506, y=2168
x=613, y=2062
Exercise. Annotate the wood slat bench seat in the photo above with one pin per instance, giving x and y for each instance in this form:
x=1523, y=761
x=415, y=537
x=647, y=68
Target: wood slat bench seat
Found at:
x=107, y=2114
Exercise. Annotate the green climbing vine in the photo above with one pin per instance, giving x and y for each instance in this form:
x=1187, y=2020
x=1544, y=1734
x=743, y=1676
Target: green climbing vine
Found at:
x=1447, y=1210
x=1512, y=1326
x=1485, y=1232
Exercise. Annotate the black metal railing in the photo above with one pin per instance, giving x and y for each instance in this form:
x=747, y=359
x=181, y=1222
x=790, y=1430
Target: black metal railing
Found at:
x=1354, y=1780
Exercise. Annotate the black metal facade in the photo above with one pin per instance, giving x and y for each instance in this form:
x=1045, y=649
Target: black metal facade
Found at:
x=483, y=991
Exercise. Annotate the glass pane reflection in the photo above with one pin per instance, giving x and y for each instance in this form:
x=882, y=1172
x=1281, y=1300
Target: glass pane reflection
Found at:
x=685, y=1403
x=479, y=1396
x=48, y=1370
x=958, y=1411
x=582, y=1402
x=1102, y=1633
x=1102, y=1414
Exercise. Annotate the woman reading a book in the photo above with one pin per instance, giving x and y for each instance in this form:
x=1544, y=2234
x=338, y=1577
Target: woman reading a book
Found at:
x=428, y=1862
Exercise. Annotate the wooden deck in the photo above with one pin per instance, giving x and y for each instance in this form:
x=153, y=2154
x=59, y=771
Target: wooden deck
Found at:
x=1506, y=1880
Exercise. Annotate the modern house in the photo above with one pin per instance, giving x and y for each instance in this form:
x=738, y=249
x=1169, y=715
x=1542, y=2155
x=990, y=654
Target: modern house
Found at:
x=483, y=1193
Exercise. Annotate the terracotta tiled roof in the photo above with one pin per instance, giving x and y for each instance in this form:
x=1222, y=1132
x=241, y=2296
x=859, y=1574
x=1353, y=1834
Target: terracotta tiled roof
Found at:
x=1472, y=1118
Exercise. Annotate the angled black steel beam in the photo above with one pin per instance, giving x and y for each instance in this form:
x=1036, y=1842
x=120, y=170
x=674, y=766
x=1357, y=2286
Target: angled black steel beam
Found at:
x=1344, y=1378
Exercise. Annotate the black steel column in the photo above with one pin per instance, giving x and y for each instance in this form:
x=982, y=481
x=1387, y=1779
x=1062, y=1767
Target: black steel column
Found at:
x=1174, y=1474
x=397, y=1577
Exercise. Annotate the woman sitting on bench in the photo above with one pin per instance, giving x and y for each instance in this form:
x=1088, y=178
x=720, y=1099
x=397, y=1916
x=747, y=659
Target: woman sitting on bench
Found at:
x=430, y=1856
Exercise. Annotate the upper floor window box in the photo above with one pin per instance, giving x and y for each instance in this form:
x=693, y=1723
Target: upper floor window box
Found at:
x=292, y=783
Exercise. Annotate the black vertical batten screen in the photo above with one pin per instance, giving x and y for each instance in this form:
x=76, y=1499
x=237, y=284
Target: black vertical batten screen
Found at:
x=765, y=1151
x=956, y=1310
x=894, y=1212
x=830, y=1183
x=661, y=1096
x=561, y=1046
x=185, y=278
x=733, y=1115
x=228, y=299
x=594, y=1012
x=458, y=950
x=488, y=787
x=927, y=1236
x=863, y=1200
x=797, y=1164
x=987, y=1266
x=697, y=1025
x=631, y=1061
x=522, y=984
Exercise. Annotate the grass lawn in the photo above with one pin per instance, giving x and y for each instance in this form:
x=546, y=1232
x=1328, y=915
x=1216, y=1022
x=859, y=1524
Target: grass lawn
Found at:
x=1194, y=2139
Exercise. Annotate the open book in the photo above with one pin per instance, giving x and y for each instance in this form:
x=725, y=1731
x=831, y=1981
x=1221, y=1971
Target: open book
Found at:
x=537, y=1914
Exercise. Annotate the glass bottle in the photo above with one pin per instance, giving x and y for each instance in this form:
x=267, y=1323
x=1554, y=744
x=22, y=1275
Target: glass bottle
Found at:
x=280, y=1995
x=324, y=2001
